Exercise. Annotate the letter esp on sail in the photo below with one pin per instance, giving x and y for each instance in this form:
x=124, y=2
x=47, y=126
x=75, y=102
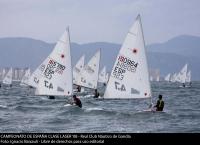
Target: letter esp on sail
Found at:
x=130, y=76
x=54, y=75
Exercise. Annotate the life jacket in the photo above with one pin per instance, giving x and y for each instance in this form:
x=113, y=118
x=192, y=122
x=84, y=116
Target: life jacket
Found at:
x=161, y=104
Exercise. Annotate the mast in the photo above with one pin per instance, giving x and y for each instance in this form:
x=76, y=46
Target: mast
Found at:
x=151, y=99
x=70, y=59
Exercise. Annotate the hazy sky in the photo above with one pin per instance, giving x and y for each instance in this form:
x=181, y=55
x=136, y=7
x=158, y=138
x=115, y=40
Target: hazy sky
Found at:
x=98, y=20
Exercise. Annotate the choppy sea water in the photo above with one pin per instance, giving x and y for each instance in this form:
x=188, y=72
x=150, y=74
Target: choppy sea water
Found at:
x=20, y=111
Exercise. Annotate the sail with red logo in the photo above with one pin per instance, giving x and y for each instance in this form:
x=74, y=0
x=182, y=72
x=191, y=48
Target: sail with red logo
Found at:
x=130, y=76
x=54, y=75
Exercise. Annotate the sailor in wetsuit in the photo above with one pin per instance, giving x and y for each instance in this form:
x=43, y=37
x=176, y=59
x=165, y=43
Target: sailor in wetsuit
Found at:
x=51, y=97
x=96, y=94
x=78, y=88
x=160, y=104
x=77, y=101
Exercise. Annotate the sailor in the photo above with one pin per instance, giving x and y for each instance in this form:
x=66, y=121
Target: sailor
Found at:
x=51, y=97
x=77, y=101
x=96, y=94
x=78, y=88
x=160, y=104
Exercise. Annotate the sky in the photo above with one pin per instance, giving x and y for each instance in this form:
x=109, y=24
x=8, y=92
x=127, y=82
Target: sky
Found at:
x=98, y=20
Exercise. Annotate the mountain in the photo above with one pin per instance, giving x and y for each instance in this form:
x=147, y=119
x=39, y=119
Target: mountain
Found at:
x=21, y=52
x=184, y=45
x=167, y=56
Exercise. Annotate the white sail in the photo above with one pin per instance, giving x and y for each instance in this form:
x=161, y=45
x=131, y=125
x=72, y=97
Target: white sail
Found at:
x=182, y=74
x=89, y=75
x=54, y=75
x=103, y=76
x=167, y=78
x=158, y=78
x=26, y=77
x=130, y=76
x=3, y=73
x=8, y=78
x=78, y=68
x=173, y=78
x=188, y=77
x=151, y=78
x=107, y=77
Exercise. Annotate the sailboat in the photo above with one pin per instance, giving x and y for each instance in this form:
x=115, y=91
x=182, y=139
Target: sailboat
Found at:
x=173, y=78
x=3, y=73
x=103, y=76
x=151, y=78
x=88, y=77
x=8, y=78
x=188, y=77
x=158, y=78
x=25, y=78
x=181, y=77
x=129, y=78
x=54, y=76
x=167, y=77
x=77, y=70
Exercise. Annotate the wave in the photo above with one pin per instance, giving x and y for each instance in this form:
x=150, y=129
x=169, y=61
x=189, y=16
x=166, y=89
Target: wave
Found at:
x=3, y=106
x=95, y=108
x=68, y=105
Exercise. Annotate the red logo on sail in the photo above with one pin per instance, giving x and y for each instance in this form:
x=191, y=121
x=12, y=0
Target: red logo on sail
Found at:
x=62, y=55
x=135, y=50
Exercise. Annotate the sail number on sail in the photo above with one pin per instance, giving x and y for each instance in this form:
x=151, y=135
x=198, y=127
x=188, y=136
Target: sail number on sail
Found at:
x=120, y=87
x=48, y=84
x=122, y=65
x=51, y=69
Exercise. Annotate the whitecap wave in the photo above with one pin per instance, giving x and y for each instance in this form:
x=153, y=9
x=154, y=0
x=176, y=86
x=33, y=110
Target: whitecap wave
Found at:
x=94, y=109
